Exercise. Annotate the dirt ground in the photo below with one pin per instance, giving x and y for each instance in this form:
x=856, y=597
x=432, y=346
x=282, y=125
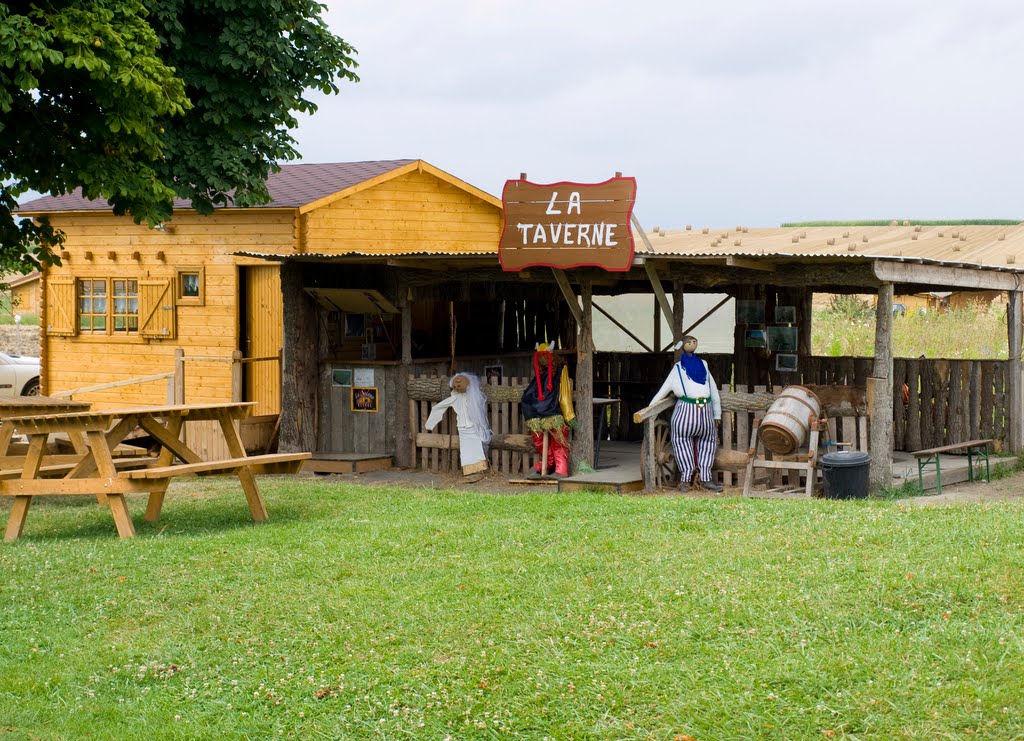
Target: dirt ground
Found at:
x=1009, y=487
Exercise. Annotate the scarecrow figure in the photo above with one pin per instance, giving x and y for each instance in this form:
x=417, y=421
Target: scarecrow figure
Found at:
x=470, y=407
x=695, y=418
x=547, y=407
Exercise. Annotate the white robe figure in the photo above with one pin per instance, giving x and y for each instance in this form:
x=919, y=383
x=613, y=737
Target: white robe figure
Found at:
x=470, y=407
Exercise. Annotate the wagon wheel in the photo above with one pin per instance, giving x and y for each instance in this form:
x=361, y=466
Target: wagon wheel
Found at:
x=666, y=473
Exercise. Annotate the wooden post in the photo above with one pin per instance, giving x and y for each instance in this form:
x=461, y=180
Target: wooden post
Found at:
x=179, y=375
x=299, y=366
x=649, y=463
x=583, y=447
x=236, y=376
x=404, y=435
x=657, y=325
x=544, y=453
x=677, y=319
x=880, y=387
x=1014, y=398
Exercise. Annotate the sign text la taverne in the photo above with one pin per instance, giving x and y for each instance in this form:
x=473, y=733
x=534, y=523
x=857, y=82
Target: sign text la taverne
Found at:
x=567, y=225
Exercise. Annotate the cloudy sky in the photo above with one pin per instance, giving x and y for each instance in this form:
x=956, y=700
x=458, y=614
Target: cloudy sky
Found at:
x=728, y=112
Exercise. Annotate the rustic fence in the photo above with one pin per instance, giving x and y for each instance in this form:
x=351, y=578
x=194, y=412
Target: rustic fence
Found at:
x=936, y=402
x=511, y=450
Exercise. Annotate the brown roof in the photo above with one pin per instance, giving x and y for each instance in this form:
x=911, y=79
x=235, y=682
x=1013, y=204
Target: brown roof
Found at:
x=292, y=187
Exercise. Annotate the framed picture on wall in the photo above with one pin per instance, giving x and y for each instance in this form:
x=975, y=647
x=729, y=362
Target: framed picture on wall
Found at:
x=355, y=325
x=785, y=315
x=755, y=338
x=782, y=339
x=342, y=376
x=750, y=312
x=786, y=362
x=364, y=399
x=493, y=374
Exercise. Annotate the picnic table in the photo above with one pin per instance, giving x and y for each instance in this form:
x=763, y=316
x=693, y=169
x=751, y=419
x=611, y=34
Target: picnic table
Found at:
x=93, y=471
x=17, y=406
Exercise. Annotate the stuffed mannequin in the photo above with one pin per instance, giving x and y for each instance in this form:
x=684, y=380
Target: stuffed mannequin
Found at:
x=695, y=418
x=547, y=407
x=470, y=407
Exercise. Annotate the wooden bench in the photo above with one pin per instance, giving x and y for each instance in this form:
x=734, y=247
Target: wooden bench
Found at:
x=60, y=470
x=260, y=464
x=930, y=457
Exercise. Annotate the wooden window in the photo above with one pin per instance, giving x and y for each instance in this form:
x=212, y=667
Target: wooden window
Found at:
x=190, y=289
x=125, y=311
x=108, y=306
x=60, y=306
x=92, y=306
x=157, y=319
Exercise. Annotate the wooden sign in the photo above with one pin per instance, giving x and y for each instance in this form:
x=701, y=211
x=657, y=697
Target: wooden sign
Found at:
x=567, y=225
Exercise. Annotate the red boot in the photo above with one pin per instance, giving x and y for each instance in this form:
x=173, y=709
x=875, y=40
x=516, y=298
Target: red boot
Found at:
x=561, y=458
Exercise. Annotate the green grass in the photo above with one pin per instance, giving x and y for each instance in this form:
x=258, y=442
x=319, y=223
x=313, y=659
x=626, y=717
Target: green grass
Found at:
x=975, y=332
x=378, y=613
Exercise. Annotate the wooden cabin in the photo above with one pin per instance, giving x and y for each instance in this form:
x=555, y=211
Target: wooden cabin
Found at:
x=129, y=305
x=24, y=293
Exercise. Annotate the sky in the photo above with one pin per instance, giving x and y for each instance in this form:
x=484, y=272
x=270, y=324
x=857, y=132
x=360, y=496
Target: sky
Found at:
x=727, y=112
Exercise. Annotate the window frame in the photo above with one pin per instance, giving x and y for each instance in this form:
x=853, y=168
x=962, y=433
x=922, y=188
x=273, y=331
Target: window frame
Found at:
x=109, y=316
x=179, y=286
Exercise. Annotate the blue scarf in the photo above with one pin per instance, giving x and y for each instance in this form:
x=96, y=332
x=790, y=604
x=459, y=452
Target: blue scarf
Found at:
x=694, y=367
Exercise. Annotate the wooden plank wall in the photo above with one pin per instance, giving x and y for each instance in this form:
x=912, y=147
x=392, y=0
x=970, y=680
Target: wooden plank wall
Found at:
x=412, y=213
x=345, y=431
x=118, y=248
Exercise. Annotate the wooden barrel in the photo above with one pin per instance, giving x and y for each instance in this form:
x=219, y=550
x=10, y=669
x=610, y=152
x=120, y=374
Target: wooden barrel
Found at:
x=787, y=422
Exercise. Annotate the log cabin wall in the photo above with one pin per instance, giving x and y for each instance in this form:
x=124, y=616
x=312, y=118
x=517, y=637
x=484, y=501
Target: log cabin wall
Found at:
x=412, y=213
x=101, y=249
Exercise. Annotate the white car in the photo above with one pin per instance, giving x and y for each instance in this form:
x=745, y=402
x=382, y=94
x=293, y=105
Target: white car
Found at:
x=19, y=375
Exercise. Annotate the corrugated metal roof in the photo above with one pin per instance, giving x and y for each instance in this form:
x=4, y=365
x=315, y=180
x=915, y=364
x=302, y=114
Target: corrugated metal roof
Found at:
x=326, y=256
x=294, y=186
x=990, y=246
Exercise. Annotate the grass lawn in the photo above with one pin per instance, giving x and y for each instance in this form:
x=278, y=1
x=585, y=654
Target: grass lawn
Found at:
x=374, y=613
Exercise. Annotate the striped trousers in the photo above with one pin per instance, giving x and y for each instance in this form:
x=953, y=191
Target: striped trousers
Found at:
x=694, y=427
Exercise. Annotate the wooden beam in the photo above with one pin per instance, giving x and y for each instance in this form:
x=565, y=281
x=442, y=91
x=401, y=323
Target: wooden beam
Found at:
x=1014, y=395
x=569, y=294
x=945, y=276
x=404, y=453
x=655, y=279
x=583, y=444
x=625, y=329
x=678, y=305
x=880, y=392
x=640, y=230
x=740, y=262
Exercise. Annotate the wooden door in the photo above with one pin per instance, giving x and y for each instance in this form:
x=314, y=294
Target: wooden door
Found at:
x=262, y=337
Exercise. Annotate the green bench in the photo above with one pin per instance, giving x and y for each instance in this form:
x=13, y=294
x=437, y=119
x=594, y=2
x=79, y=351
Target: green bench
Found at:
x=930, y=457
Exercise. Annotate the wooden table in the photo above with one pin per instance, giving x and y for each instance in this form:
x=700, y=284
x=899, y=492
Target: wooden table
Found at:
x=18, y=406
x=94, y=472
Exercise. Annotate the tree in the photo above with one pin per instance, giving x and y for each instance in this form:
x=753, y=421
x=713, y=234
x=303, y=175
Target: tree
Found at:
x=139, y=104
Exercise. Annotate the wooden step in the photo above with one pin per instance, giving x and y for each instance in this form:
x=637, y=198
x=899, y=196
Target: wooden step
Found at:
x=620, y=480
x=347, y=463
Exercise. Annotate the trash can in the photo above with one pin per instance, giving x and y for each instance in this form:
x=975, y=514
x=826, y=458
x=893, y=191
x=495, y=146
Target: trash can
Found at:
x=845, y=474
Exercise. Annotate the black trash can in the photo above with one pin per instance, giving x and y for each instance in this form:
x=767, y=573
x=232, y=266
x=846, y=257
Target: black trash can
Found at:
x=845, y=474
